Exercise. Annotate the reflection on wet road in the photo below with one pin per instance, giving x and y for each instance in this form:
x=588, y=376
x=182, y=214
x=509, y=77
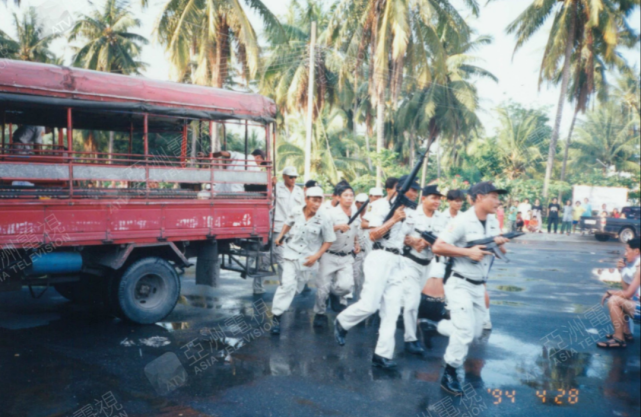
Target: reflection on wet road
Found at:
x=213, y=356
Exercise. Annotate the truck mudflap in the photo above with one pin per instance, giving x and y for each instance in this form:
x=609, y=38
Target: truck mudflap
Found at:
x=207, y=267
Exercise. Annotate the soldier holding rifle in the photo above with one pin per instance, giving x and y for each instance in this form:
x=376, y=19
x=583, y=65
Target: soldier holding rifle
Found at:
x=464, y=289
x=382, y=288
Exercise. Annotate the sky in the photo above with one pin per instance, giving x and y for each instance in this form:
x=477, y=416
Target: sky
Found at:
x=517, y=75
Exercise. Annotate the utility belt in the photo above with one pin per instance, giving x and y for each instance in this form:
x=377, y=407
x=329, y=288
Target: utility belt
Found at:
x=379, y=246
x=407, y=254
x=471, y=281
x=341, y=254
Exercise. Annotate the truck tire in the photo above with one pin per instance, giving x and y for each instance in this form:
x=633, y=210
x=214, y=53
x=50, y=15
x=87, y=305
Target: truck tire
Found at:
x=626, y=234
x=146, y=292
x=601, y=237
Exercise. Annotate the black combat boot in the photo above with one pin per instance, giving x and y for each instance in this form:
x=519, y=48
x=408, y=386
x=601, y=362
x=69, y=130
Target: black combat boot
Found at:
x=383, y=363
x=320, y=321
x=415, y=348
x=339, y=333
x=450, y=382
x=276, y=325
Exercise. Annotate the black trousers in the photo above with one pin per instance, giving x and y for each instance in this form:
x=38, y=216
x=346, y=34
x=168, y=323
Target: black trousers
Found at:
x=555, y=221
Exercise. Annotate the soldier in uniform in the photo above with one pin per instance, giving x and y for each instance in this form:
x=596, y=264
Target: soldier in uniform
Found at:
x=433, y=298
x=376, y=193
x=364, y=243
x=383, y=282
x=464, y=289
x=310, y=233
x=417, y=255
x=288, y=196
x=336, y=273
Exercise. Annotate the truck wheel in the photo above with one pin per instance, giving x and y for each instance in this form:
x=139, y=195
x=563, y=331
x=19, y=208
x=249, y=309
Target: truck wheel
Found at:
x=626, y=234
x=146, y=292
x=601, y=237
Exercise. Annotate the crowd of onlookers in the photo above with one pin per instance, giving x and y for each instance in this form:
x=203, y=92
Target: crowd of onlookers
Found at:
x=523, y=216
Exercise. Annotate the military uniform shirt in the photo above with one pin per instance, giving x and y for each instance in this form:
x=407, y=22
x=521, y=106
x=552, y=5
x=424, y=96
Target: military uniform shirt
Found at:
x=307, y=237
x=344, y=241
x=464, y=228
x=375, y=217
x=424, y=224
x=286, y=201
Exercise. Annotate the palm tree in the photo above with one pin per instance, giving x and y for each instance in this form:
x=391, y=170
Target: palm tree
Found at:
x=109, y=45
x=590, y=63
x=284, y=74
x=31, y=43
x=204, y=38
x=572, y=28
x=328, y=147
x=610, y=137
x=519, y=139
x=383, y=32
x=447, y=106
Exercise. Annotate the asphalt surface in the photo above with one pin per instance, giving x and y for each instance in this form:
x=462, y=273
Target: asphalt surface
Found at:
x=213, y=356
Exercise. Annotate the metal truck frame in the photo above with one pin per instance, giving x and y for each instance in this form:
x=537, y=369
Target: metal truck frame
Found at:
x=126, y=244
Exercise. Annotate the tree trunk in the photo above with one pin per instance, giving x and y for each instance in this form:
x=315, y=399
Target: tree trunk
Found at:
x=567, y=149
x=380, y=133
x=427, y=157
x=559, y=112
x=412, y=149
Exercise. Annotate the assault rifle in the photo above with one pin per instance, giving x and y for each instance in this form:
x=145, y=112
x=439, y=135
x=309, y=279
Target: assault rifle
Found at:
x=401, y=200
x=491, y=246
x=358, y=212
x=429, y=237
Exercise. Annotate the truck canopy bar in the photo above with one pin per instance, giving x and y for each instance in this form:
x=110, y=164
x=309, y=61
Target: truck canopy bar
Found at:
x=28, y=84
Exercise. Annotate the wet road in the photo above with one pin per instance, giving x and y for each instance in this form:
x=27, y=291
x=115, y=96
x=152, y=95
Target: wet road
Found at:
x=214, y=357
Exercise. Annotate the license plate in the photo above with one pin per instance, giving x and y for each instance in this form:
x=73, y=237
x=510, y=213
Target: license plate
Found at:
x=590, y=222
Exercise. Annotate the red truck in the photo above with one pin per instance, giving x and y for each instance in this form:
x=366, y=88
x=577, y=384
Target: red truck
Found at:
x=119, y=227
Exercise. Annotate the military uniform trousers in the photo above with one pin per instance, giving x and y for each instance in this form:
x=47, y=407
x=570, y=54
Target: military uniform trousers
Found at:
x=467, y=309
x=414, y=278
x=335, y=274
x=382, y=290
x=359, y=276
x=294, y=278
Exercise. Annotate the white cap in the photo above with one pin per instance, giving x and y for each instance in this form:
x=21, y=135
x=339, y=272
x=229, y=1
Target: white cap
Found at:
x=314, y=192
x=290, y=172
x=361, y=198
x=376, y=192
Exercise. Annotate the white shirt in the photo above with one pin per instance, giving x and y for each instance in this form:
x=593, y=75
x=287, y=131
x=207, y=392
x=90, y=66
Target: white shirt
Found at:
x=467, y=227
x=307, y=236
x=379, y=210
x=237, y=162
x=524, y=209
x=29, y=135
x=363, y=236
x=424, y=224
x=286, y=201
x=627, y=273
x=344, y=241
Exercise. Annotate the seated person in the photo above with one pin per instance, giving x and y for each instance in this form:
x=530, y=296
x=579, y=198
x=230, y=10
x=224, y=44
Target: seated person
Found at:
x=627, y=266
x=236, y=161
x=26, y=137
x=533, y=226
x=623, y=303
x=519, y=222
